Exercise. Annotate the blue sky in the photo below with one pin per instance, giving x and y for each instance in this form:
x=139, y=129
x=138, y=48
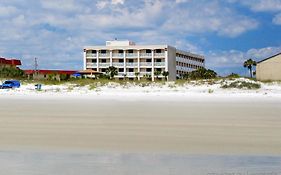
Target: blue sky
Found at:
x=226, y=32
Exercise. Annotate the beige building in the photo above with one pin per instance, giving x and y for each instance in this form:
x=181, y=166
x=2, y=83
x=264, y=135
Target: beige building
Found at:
x=269, y=69
x=137, y=61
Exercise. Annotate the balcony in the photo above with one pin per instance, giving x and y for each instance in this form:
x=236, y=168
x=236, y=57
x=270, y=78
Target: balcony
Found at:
x=135, y=55
x=118, y=55
x=131, y=64
x=130, y=74
x=118, y=64
x=104, y=55
x=145, y=64
x=91, y=55
x=145, y=54
x=159, y=54
x=104, y=64
x=91, y=65
x=159, y=64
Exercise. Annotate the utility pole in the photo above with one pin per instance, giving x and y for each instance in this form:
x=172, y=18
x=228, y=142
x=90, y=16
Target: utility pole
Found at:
x=35, y=66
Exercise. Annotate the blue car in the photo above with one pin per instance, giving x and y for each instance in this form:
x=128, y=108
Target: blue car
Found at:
x=10, y=84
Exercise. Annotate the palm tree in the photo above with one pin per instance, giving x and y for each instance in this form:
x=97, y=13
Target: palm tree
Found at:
x=249, y=64
x=165, y=74
x=137, y=74
x=157, y=73
x=111, y=71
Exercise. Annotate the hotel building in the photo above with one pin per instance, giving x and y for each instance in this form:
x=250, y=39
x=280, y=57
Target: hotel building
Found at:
x=138, y=61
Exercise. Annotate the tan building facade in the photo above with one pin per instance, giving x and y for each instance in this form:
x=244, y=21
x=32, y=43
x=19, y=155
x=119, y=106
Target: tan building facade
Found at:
x=269, y=69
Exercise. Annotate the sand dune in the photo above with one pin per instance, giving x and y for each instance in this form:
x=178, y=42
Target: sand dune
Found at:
x=186, y=126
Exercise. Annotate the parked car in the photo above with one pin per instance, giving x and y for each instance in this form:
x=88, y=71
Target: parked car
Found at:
x=8, y=84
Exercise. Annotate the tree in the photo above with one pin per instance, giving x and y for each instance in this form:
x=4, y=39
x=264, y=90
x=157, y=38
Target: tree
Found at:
x=157, y=73
x=202, y=73
x=137, y=74
x=250, y=64
x=111, y=71
x=165, y=74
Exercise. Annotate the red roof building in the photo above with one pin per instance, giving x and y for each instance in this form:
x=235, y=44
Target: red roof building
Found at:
x=9, y=62
x=48, y=72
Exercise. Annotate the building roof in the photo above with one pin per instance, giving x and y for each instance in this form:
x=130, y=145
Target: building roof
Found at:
x=269, y=58
x=45, y=72
x=89, y=72
x=12, y=61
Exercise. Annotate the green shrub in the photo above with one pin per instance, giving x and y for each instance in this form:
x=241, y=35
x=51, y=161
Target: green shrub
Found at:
x=241, y=85
x=233, y=75
x=11, y=72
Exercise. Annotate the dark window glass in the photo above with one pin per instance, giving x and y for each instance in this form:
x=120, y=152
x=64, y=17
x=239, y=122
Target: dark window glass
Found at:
x=158, y=60
x=148, y=60
x=103, y=51
x=94, y=61
x=103, y=60
x=121, y=70
x=158, y=51
x=121, y=60
x=131, y=60
x=94, y=51
x=120, y=51
x=148, y=51
x=148, y=69
x=130, y=51
x=131, y=70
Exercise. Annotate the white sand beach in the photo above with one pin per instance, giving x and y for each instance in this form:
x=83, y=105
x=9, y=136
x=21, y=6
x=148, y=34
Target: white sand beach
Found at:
x=146, y=122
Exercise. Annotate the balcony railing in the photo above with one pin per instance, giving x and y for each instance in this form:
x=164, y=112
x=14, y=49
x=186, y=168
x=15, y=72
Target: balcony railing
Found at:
x=131, y=55
x=118, y=55
x=104, y=64
x=159, y=64
x=131, y=64
x=146, y=54
x=91, y=64
x=92, y=55
x=104, y=55
x=159, y=54
x=130, y=74
x=118, y=64
x=145, y=64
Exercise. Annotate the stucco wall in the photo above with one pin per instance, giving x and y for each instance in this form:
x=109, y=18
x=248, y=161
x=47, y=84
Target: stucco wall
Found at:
x=172, y=63
x=269, y=69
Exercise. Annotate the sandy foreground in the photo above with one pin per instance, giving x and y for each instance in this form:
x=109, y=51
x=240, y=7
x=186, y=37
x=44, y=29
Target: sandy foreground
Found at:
x=209, y=125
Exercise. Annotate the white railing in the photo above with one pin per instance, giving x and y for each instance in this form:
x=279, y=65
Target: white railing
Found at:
x=118, y=64
x=130, y=73
x=159, y=64
x=159, y=54
x=104, y=64
x=104, y=55
x=131, y=55
x=119, y=55
x=145, y=64
x=131, y=64
x=91, y=64
x=92, y=55
x=146, y=54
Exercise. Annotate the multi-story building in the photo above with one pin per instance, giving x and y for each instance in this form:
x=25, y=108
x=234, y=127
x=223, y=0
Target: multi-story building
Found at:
x=138, y=61
x=4, y=62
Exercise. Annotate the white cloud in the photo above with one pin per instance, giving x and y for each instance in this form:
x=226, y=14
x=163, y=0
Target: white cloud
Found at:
x=277, y=19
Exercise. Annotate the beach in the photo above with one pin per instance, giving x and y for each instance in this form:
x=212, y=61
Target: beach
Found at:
x=142, y=124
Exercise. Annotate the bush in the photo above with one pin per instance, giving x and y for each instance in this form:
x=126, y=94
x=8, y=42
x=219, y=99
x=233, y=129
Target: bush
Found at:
x=233, y=75
x=202, y=73
x=11, y=72
x=242, y=85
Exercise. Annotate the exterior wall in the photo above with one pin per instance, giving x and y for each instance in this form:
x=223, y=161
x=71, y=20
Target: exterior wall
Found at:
x=131, y=58
x=269, y=69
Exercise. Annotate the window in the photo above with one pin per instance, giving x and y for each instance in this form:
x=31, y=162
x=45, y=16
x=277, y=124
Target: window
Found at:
x=159, y=69
x=147, y=51
x=121, y=70
x=130, y=51
x=148, y=60
x=94, y=60
x=158, y=50
x=158, y=60
x=131, y=60
x=131, y=69
x=95, y=69
x=148, y=69
x=103, y=70
x=103, y=51
x=94, y=51
x=121, y=60
x=120, y=51
x=103, y=60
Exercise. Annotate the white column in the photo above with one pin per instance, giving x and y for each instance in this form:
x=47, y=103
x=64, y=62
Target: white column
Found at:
x=166, y=60
x=139, y=64
x=85, y=59
x=110, y=55
x=98, y=60
x=152, y=71
x=125, y=66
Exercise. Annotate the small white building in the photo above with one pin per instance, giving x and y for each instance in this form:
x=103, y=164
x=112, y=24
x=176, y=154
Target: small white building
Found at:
x=138, y=61
x=269, y=68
